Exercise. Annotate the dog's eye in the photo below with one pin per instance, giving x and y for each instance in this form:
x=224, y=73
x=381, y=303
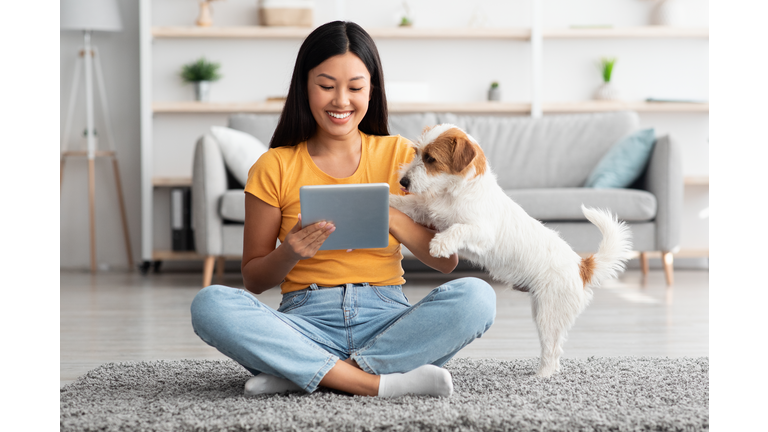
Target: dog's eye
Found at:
x=428, y=158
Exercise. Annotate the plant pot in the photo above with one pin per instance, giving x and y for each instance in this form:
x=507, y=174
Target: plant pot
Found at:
x=494, y=94
x=202, y=91
x=607, y=91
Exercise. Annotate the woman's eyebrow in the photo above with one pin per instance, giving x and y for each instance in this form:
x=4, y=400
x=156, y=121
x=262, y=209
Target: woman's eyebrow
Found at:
x=334, y=79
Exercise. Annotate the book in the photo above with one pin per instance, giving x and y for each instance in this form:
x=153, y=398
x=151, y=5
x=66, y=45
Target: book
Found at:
x=182, y=234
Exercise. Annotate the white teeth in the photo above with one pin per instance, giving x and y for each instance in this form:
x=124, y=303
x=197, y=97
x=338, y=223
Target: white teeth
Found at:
x=339, y=116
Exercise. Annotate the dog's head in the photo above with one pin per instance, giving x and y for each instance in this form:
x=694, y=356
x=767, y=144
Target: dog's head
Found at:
x=445, y=158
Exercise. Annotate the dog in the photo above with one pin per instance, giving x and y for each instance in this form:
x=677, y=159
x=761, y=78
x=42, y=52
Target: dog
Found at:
x=450, y=187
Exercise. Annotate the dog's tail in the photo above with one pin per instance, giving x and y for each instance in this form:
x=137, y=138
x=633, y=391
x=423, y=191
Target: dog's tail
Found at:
x=613, y=251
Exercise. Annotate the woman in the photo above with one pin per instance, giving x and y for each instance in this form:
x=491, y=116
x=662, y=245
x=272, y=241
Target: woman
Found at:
x=344, y=322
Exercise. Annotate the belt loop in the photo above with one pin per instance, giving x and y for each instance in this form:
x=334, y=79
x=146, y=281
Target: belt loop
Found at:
x=313, y=287
x=366, y=284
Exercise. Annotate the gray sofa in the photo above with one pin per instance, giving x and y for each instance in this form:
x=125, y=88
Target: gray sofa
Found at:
x=541, y=163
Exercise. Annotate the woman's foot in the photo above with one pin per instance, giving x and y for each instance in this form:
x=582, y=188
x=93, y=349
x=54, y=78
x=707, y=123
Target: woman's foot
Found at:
x=425, y=380
x=268, y=384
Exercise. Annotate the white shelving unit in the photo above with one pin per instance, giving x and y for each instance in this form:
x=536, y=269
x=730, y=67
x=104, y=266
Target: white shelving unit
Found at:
x=533, y=35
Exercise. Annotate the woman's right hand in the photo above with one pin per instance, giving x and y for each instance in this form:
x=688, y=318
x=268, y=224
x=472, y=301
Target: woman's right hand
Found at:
x=304, y=243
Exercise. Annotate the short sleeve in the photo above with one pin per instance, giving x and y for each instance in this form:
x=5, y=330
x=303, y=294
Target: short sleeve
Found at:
x=264, y=179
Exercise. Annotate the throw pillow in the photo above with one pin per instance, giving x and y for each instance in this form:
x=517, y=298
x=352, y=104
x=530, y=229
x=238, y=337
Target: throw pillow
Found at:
x=240, y=150
x=624, y=162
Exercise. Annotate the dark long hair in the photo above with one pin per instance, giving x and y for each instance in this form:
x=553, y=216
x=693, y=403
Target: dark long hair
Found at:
x=334, y=38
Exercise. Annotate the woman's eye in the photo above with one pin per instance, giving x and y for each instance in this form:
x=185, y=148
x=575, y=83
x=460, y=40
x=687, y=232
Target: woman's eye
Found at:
x=356, y=89
x=325, y=87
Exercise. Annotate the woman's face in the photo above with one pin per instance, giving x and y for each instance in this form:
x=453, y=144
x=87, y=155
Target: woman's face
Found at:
x=339, y=90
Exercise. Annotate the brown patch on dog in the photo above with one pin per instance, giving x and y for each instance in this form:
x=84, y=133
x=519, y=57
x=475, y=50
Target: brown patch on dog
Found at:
x=452, y=152
x=587, y=269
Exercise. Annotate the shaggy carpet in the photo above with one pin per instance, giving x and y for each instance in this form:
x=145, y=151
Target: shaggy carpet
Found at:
x=595, y=394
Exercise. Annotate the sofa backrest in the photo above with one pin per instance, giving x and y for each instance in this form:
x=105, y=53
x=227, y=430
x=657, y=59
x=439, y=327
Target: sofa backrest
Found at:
x=554, y=151
x=550, y=152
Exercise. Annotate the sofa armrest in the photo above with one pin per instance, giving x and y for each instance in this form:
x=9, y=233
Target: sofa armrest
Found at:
x=664, y=179
x=209, y=182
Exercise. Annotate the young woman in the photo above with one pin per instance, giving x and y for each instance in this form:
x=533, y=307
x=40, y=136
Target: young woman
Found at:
x=344, y=322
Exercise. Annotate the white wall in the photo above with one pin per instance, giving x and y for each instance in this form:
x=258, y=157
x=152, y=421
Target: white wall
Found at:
x=120, y=62
x=456, y=71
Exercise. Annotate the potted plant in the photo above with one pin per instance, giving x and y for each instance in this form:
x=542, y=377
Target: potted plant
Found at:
x=201, y=73
x=406, y=20
x=607, y=91
x=494, y=93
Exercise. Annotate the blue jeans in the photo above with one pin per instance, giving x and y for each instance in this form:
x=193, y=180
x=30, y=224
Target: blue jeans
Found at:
x=315, y=327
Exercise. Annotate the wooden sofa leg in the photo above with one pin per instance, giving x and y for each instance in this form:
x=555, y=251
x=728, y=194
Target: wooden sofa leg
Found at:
x=644, y=263
x=667, y=261
x=210, y=260
x=220, y=267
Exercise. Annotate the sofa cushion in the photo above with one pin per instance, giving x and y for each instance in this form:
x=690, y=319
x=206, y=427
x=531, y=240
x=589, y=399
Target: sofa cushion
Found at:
x=262, y=126
x=240, y=150
x=564, y=204
x=553, y=151
x=232, y=205
x=624, y=162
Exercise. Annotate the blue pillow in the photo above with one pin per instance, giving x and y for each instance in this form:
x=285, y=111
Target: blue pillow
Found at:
x=624, y=162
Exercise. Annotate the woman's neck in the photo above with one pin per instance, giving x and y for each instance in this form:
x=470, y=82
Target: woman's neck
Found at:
x=338, y=157
x=322, y=144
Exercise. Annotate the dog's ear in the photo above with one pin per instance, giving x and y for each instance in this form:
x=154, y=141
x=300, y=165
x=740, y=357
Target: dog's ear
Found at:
x=463, y=153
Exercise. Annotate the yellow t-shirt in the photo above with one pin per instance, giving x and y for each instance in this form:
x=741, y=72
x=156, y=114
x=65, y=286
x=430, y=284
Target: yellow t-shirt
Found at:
x=276, y=178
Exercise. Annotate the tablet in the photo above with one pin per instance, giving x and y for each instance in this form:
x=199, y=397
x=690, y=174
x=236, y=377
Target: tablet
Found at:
x=360, y=213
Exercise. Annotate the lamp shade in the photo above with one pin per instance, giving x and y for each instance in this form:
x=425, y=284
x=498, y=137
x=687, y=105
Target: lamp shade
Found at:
x=102, y=15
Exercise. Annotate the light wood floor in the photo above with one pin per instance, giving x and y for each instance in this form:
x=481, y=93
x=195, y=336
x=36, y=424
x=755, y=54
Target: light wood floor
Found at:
x=112, y=317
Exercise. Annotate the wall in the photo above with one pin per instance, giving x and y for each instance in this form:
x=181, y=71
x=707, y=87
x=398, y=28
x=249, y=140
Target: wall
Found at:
x=456, y=70
x=119, y=53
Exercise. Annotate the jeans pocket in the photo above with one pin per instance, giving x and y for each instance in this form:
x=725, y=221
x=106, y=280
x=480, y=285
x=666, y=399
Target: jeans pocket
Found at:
x=293, y=299
x=391, y=294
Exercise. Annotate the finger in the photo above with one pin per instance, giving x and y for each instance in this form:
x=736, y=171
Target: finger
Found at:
x=297, y=227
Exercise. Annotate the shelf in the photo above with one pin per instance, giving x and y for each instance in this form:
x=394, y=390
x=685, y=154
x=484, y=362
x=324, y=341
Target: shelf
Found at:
x=524, y=34
x=649, y=32
x=458, y=107
x=696, y=181
x=171, y=181
x=462, y=107
x=260, y=32
x=171, y=255
x=216, y=107
x=640, y=106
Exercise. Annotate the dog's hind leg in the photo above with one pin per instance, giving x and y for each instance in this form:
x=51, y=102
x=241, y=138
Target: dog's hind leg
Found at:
x=553, y=318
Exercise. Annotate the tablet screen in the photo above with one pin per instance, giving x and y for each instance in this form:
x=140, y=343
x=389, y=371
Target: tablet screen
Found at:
x=360, y=213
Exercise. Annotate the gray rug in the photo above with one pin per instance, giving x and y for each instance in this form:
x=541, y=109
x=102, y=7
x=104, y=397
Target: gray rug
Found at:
x=595, y=394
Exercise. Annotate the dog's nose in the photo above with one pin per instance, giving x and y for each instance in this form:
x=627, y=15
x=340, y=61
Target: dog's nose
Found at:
x=404, y=182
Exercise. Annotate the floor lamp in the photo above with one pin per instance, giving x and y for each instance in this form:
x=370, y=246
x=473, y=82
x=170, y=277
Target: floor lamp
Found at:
x=89, y=16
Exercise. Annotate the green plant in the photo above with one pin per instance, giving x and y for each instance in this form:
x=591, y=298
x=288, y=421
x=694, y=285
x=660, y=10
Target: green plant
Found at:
x=606, y=67
x=200, y=70
x=494, y=85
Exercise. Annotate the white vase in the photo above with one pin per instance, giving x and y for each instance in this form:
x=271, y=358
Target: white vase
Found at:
x=607, y=91
x=202, y=91
x=494, y=94
x=666, y=13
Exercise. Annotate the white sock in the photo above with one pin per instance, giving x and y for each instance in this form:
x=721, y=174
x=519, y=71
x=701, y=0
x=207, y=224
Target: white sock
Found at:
x=268, y=384
x=424, y=380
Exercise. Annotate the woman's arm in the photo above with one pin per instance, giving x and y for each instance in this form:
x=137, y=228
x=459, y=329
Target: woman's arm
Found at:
x=265, y=266
x=416, y=238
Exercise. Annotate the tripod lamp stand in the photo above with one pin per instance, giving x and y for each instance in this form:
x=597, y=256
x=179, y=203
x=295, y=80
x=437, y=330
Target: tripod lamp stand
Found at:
x=89, y=16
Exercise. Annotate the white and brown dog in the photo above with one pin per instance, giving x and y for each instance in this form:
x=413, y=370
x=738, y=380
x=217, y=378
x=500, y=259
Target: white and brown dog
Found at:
x=451, y=187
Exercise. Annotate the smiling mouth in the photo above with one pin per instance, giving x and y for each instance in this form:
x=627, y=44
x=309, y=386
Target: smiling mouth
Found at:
x=339, y=115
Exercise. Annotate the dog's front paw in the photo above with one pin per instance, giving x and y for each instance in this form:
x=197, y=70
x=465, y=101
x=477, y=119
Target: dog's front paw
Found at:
x=397, y=201
x=441, y=246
